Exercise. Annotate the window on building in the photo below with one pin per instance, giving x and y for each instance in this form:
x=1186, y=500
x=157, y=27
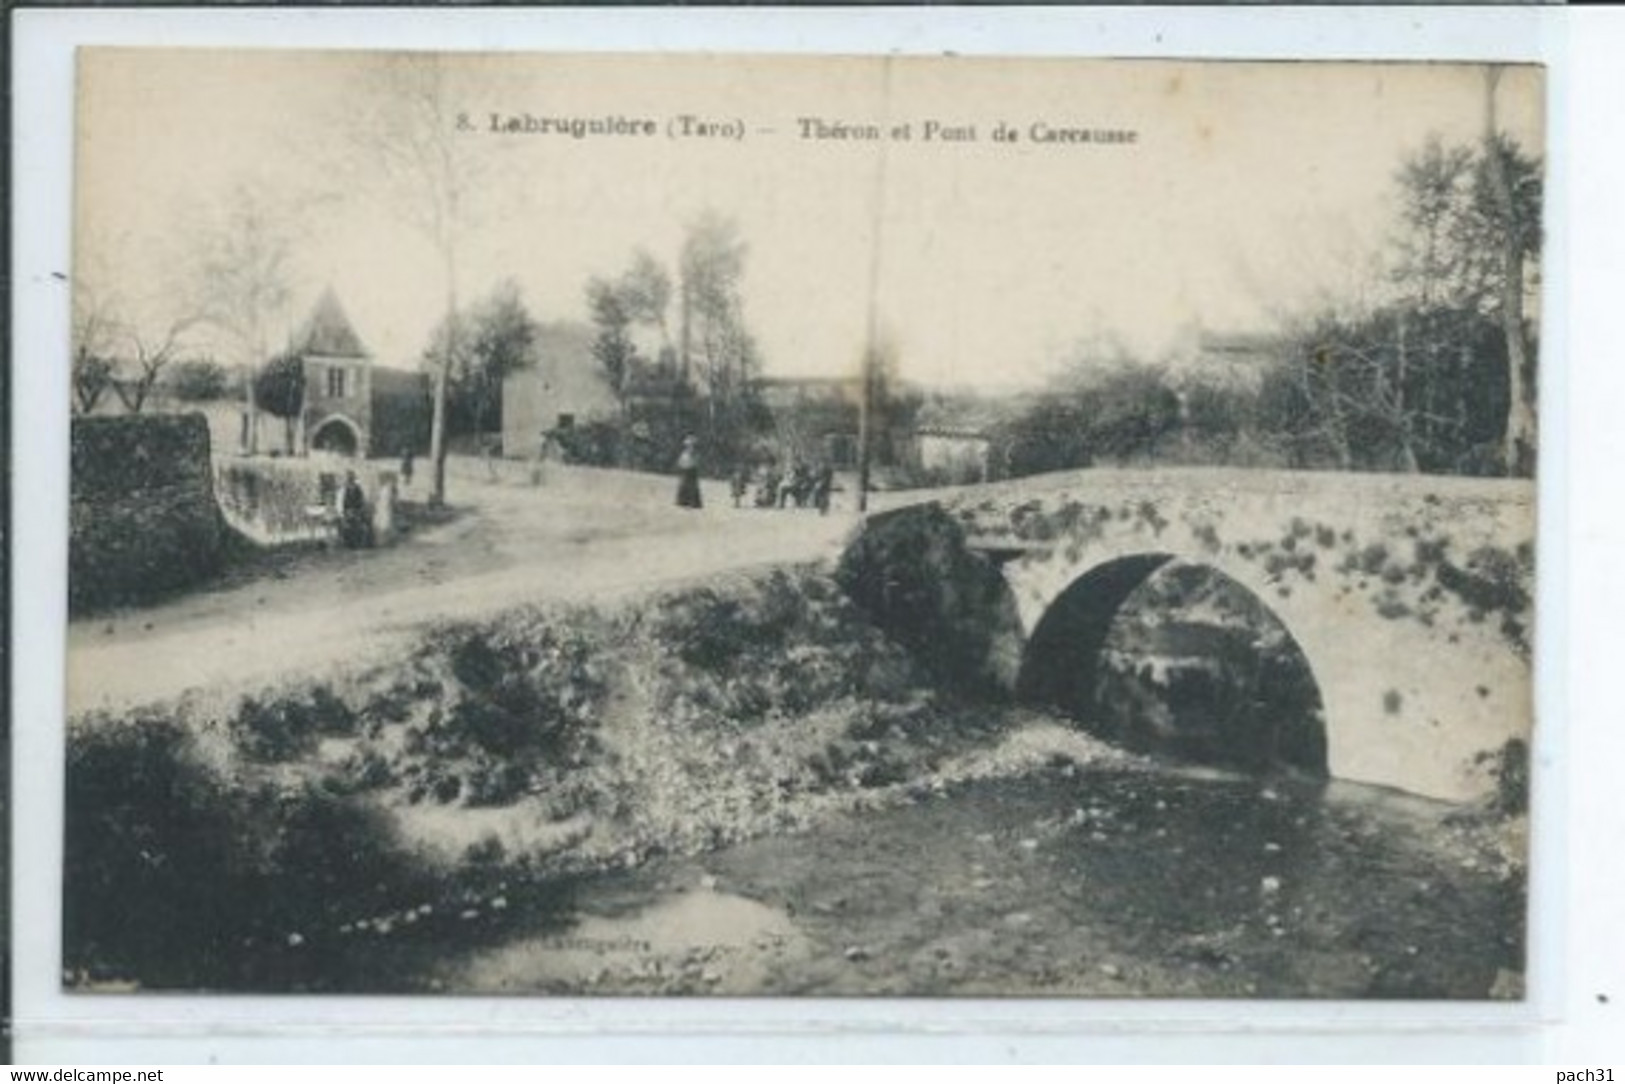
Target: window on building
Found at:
x=335, y=383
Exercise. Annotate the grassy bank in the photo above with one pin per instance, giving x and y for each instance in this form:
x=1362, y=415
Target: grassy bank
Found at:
x=323, y=835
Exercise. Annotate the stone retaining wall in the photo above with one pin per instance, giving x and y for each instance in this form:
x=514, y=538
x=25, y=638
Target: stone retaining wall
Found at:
x=273, y=501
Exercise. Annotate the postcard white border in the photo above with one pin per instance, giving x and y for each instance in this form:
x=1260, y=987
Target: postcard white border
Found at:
x=1577, y=880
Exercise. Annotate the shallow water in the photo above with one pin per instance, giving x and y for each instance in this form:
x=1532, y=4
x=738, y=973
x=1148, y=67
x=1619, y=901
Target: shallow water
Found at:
x=1070, y=881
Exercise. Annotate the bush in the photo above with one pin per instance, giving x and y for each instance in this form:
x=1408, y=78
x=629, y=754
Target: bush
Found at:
x=592, y=444
x=178, y=877
x=198, y=381
x=491, y=708
x=1509, y=768
x=288, y=727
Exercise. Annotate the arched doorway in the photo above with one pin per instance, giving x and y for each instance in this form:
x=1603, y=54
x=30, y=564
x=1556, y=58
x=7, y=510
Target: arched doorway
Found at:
x=336, y=436
x=1165, y=656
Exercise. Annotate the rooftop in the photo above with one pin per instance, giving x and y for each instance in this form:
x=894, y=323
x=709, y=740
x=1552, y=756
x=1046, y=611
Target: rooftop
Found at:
x=328, y=331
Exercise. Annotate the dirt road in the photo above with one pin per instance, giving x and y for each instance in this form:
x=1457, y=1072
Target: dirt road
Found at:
x=582, y=535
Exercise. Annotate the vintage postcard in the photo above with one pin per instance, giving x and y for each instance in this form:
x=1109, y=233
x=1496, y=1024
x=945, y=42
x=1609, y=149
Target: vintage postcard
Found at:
x=756, y=525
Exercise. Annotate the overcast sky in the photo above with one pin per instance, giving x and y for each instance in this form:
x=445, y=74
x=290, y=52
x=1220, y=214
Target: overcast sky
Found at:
x=1249, y=189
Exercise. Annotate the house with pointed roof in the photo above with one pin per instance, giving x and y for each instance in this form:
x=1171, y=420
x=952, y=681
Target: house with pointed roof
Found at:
x=351, y=406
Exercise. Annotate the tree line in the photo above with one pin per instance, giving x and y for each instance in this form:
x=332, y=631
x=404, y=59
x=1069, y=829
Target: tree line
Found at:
x=1434, y=372
x=704, y=381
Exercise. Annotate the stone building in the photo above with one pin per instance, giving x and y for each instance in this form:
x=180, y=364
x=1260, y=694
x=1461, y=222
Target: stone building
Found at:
x=353, y=407
x=565, y=388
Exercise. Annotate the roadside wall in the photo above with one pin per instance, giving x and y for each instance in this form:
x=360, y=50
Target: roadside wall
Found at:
x=273, y=501
x=142, y=515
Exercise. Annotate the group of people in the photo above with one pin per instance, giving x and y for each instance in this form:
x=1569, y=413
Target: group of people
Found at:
x=802, y=486
x=767, y=486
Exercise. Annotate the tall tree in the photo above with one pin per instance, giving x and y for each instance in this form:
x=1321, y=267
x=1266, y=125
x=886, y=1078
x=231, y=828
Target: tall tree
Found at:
x=477, y=350
x=645, y=293
x=404, y=123
x=1506, y=184
x=712, y=263
x=503, y=342
x=1433, y=197
x=240, y=276
x=612, y=347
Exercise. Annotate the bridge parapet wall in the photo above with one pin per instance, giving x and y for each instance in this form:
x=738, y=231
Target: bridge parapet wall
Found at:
x=1411, y=597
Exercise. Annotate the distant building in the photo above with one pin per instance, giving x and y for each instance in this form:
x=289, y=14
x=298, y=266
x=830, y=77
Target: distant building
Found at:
x=814, y=418
x=953, y=437
x=1227, y=359
x=563, y=389
x=351, y=406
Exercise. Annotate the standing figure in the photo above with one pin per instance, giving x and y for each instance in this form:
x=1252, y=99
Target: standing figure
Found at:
x=538, y=463
x=406, y=469
x=822, y=487
x=739, y=482
x=787, y=485
x=355, y=528
x=688, y=476
x=767, y=494
x=489, y=447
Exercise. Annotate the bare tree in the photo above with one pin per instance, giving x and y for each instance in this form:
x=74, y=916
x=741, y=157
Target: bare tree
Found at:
x=405, y=126
x=712, y=264
x=241, y=281
x=1431, y=185
x=150, y=354
x=93, y=329
x=125, y=348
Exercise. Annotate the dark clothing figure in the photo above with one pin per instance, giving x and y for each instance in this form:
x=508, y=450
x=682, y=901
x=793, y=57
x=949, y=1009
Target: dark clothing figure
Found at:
x=688, y=477
x=790, y=486
x=355, y=526
x=822, y=488
x=406, y=469
x=738, y=483
x=767, y=496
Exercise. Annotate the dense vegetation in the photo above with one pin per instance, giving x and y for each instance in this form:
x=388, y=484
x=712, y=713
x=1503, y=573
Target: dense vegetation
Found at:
x=1433, y=370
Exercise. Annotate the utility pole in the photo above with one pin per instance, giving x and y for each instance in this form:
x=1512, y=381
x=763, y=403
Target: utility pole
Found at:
x=865, y=410
x=871, y=338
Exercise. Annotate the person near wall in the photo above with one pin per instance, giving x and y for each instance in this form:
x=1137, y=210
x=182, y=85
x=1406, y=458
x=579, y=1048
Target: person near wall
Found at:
x=688, y=475
x=406, y=469
x=355, y=527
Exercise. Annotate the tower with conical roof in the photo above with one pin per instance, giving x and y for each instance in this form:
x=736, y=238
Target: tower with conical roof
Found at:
x=337, y=416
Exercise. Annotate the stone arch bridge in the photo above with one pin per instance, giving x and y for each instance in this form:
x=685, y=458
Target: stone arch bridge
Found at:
x=1410, y=597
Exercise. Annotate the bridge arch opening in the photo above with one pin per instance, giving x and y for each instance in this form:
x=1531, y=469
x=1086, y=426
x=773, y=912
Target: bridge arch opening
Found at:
x=1161, y=655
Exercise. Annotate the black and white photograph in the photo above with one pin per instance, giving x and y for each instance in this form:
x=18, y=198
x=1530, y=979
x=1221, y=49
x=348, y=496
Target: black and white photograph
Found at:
x=745, y=525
